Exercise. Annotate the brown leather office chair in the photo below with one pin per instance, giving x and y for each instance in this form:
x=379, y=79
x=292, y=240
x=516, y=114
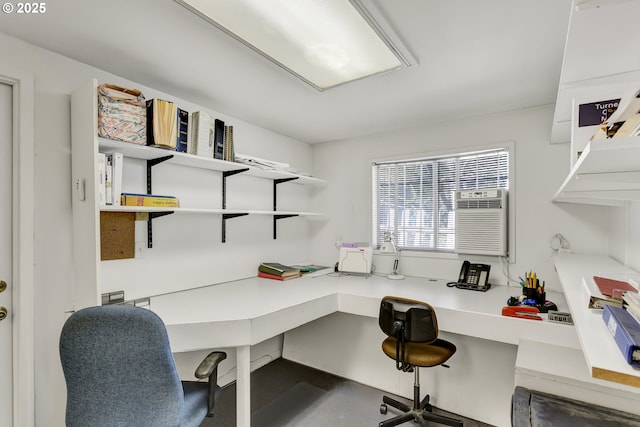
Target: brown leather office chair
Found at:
x=412, y=329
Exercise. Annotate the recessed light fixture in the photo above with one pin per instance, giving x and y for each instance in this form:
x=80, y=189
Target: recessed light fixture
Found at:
x=325, y=43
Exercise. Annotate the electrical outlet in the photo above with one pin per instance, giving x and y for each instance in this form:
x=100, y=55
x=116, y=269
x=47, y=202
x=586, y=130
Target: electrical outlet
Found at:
x=140, y=249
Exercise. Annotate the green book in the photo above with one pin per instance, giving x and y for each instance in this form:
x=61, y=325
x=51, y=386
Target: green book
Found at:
x=278, y=269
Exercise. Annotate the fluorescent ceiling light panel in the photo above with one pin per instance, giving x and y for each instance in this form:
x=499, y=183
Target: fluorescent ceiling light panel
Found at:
x=324, y=42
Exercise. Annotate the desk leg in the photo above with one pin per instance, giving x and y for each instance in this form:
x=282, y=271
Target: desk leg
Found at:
x=243, y=386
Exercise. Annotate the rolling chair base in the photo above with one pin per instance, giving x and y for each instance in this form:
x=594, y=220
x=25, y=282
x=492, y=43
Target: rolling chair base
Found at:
x=421, y=414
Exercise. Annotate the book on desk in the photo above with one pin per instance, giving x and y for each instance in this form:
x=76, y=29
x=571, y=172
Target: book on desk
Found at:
x=277, y=271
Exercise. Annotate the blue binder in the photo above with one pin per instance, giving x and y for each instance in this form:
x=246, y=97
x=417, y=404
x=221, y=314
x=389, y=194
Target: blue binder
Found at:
x=626, y=332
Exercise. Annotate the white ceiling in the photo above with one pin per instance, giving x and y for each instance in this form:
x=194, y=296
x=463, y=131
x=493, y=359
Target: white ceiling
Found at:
x=475, y=57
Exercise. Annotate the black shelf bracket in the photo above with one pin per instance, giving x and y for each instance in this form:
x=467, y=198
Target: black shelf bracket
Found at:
x=275, y=221
x=153, y=215
x=225, y=217
x=150, y=164
x=275, y=203
x=275, y=189
x=226, y=174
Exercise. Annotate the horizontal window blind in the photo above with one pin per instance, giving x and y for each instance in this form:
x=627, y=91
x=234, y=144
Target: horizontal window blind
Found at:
x=414, y=199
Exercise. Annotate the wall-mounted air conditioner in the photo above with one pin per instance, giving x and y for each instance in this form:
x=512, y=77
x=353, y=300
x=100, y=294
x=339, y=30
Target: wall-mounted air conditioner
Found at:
x=481, y=222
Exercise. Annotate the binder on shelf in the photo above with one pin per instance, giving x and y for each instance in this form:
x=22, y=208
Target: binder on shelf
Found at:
x=228, y=144
x=183, y=130
x=625, y=331
x=162, y=124
x=101, y=177
x=202, y=136
x=218, y=148
x=115, y=162
x=150, y=200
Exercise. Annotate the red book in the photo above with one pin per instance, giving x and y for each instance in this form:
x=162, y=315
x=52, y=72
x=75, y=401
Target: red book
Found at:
x=274, y=277
x=607, y=286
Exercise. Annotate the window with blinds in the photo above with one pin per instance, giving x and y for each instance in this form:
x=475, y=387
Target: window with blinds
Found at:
x=414, y=199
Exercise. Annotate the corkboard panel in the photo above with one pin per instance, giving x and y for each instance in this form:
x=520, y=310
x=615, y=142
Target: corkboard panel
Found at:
x=117, y=235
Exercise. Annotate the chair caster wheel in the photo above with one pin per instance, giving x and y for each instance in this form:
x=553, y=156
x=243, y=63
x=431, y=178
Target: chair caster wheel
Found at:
x=383, y=409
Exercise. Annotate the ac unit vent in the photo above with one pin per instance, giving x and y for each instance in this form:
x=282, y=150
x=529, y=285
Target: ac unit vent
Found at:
x=479, y=204
x=481, y=222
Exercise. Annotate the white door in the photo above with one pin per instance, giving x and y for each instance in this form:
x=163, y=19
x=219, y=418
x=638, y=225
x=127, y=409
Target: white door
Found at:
x=6, y=347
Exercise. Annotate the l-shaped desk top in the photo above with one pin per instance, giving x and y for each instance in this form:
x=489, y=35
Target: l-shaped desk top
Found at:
x=245, y=312
x=248, y=311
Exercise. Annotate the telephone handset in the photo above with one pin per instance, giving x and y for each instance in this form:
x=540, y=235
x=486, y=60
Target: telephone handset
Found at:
x=473, y=276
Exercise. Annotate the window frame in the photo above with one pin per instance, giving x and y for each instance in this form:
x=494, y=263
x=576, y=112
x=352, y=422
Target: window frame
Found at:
x=508, y=146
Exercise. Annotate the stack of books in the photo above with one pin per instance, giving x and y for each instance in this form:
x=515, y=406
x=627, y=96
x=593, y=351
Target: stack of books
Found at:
x=277, y=271
x=624, y=121
x=151, y=200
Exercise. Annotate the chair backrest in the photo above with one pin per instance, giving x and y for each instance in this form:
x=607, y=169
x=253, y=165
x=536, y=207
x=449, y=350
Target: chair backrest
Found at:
x=415, y=321
x=119, y=369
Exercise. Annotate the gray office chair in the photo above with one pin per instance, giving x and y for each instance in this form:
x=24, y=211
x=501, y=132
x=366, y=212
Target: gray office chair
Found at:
x=120, y=372
x=412, y=341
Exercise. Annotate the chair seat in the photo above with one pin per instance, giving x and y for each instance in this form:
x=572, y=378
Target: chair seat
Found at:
x=421, y=354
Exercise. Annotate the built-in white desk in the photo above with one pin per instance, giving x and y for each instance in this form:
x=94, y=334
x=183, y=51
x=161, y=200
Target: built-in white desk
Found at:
x=245, y=312
x=602, y=355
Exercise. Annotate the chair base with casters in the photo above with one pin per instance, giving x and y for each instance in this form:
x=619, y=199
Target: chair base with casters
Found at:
x=412, y=342
x=421, y=412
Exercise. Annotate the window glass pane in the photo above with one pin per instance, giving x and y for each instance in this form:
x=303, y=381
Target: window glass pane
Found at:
x=414, y=199
x=446, y=195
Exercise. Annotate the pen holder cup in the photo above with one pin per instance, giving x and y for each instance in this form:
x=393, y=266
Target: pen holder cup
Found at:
x=533, y=293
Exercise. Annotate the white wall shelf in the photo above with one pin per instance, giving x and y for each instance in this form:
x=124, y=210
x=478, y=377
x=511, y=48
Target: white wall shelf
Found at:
x=111, y=208
x=586, y=71
x=602, y=355
x=86, y=145
x=607, y=173
x=144, y=152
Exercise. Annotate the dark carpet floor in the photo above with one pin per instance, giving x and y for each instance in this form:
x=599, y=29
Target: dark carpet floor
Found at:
x=287, y=394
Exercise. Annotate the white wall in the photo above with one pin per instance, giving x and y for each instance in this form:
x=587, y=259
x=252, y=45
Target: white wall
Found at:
x=624, y=244
x=540, y=168
x=248, y=242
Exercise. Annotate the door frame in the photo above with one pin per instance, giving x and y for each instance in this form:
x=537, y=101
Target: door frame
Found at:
x=22, y=246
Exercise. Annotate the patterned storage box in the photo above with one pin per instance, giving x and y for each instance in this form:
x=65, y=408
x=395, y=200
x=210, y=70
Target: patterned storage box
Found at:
x=122, y=114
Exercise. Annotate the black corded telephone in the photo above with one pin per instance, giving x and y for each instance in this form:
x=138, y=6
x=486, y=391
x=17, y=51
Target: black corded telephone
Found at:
x=473, y=276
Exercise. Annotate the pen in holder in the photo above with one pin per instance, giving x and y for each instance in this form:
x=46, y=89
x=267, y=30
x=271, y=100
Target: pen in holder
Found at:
x=532, y=290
